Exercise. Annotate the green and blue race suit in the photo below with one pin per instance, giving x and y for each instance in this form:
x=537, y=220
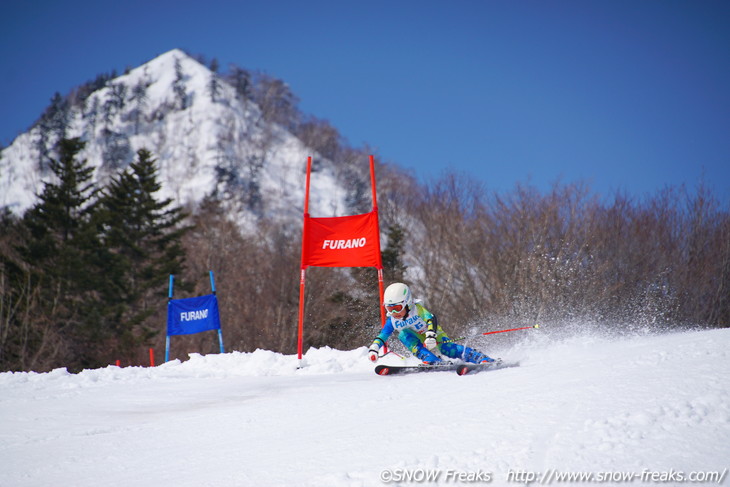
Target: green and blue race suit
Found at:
x=412, y=330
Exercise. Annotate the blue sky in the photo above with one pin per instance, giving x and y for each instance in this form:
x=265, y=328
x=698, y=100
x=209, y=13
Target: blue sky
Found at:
x=631, y=95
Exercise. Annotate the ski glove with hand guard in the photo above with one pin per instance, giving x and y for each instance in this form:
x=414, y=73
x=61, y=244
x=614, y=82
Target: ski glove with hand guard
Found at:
x=373, y=352
x=430, y=341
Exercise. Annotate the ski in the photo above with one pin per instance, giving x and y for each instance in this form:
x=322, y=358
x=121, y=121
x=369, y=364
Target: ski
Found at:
x=467, y=368
x=460, y=368
x=407, y=369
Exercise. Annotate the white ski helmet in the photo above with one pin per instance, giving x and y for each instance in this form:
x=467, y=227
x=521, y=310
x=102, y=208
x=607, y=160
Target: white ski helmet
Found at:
x=395, y=295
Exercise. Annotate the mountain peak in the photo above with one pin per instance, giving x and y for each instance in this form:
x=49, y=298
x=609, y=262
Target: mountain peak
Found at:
x=208, y=139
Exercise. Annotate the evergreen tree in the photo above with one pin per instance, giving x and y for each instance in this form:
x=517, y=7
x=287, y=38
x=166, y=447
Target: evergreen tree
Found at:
x=118, y=95
x=144, y=235
x=393, y=266
x=139, y=97
x=213, y=83
x=63, y=207
x=91, y=114
x=59, y=244
x=52, y=127
x=178, y=86
x=240, y=79
x=57, y=115
x=117, y=150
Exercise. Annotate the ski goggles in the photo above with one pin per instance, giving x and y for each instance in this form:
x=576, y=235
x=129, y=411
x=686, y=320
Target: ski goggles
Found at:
x=395, y=308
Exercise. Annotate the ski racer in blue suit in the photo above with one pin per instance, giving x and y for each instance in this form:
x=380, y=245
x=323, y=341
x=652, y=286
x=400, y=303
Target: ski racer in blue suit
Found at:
x=418, y=331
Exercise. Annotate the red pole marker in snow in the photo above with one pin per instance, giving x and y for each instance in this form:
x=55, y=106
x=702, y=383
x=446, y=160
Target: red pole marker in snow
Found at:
x=511, y=329
x=493, y=332
x=340, y=241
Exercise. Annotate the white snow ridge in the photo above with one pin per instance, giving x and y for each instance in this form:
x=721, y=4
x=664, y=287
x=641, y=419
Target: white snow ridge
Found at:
x=638, y=410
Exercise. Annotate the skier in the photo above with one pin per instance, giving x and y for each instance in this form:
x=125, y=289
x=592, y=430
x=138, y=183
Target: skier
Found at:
x=418, y=331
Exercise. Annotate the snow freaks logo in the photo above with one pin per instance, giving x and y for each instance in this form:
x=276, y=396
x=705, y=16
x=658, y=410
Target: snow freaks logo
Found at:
x=353, y=243
x=422, y=475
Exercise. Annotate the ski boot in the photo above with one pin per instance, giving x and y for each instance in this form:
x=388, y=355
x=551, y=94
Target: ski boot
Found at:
x=426, y=356
x=475, y=357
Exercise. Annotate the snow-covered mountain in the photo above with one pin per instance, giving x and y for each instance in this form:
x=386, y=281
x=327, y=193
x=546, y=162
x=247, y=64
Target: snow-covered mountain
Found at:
x=207, y=141
x=581, y=409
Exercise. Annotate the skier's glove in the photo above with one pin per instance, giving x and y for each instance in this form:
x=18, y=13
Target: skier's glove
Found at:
x=430, y=341
x=373, y=352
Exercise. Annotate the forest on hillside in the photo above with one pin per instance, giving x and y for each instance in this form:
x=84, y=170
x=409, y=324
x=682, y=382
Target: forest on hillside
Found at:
x=84, y=291
x=84, y=272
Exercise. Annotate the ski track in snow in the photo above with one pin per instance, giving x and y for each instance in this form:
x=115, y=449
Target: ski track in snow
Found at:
x=576, y=404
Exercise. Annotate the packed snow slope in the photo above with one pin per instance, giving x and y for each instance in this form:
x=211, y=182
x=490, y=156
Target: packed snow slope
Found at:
x=583, y=403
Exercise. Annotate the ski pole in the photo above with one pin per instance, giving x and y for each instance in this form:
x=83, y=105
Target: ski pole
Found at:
x=497, y=331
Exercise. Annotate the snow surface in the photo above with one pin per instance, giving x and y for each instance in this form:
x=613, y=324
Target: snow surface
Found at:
x=580, y=403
